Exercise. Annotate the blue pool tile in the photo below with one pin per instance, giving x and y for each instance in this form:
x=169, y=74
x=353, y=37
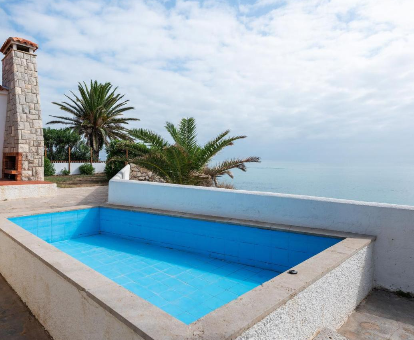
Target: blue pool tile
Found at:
x=185, y=267
x=158, y=287
x=213, y=302
x=318, y=244
x=173, y=310
x=187, y=318
x=262, y=253
x=198, y=283
x=215, y=289
x=199, y=311
x=296, y=257
x=172, y=282
x=299, y=242
x=58, y=232
x=169, y=295
x=185, y=289
x=185, y=302
x=122, y=280
x=109, y=272
x=240, y=289
x=227, y=296
x=136, y=289
x=44, y=220
x=226, y=283
x=45, y=233
x=157, y=300
x=279, y=256
x=148, y=270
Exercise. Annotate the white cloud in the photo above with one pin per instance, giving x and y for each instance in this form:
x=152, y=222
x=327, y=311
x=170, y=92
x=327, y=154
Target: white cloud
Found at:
x=303, y=79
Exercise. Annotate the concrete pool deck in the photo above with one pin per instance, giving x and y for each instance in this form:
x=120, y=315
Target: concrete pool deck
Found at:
x=16, y=320
x=381, y=316
x=64, y=198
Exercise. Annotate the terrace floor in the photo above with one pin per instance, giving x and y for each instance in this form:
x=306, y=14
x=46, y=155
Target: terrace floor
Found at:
x=382, y=316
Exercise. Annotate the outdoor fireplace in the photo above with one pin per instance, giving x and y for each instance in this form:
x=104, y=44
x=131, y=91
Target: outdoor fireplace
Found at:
x=12, y=166
x=21, y=130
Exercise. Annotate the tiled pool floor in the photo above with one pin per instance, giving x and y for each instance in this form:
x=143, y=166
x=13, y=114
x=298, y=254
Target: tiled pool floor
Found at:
x=185, y=285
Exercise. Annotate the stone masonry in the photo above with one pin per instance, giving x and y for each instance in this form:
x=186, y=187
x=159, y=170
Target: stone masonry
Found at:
x=23, y=130
x=140, y=174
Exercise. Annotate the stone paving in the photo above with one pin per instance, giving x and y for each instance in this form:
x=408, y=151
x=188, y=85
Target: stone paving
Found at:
x=381, y=316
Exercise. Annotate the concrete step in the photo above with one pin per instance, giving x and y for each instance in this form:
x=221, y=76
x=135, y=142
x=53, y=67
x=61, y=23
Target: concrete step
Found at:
x=329, y=334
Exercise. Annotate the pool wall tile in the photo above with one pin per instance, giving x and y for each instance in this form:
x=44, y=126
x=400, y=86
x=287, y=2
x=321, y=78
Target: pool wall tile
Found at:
x=60, y=226
x=268, y=249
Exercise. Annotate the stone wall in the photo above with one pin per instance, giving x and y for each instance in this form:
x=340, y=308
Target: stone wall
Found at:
x=23, y=130
x=141, y=174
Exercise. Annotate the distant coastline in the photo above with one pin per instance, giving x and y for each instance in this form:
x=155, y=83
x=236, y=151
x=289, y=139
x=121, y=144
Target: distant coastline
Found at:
x=387, y=184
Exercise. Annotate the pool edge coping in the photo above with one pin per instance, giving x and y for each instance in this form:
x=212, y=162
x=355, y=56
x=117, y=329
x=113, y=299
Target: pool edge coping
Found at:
x=226, y=322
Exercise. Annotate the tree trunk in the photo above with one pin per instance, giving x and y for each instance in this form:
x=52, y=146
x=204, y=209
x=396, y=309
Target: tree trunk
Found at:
x=95, y=155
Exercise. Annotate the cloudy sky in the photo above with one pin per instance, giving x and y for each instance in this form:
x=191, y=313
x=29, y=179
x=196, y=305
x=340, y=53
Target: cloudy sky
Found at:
x=306, y=80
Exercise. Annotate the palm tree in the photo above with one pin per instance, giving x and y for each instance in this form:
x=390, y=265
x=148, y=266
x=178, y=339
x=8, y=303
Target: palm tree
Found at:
x=96, y=114
x=185, y=161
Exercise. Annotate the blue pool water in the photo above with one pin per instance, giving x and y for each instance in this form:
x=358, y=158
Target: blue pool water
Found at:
x=184, y=266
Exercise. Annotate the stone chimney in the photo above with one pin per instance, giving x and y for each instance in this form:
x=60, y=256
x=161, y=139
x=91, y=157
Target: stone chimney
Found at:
x=23, y=136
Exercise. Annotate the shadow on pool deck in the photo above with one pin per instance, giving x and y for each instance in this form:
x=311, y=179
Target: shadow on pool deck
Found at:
x=16, y=320
x=381, y=316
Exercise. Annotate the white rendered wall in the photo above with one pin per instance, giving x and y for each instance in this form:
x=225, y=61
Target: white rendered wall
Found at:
x=74, y=167
x=65, y=310
x=15, y=192
x=3, y=110
x=393, y=225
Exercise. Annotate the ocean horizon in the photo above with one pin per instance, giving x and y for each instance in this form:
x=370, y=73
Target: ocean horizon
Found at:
x=393, y=184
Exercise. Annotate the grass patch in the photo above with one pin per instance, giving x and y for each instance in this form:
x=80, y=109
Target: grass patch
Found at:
x=75, y=181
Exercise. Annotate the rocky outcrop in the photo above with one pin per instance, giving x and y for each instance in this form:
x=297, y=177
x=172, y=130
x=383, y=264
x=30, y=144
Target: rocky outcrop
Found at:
x=142, y=174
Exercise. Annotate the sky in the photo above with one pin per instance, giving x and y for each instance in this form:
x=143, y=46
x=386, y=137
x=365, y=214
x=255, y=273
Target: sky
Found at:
x=305, y=80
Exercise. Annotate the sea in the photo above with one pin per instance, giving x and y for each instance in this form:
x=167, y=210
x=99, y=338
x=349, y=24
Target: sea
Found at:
x=392, y=184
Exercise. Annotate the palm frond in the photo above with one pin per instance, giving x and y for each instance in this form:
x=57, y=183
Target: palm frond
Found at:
x=96, y=112
x=149, y=137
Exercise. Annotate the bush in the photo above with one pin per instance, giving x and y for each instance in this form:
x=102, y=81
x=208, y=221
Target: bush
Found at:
x=49, y=169
x=65, y=172
x=57, y=142
x=116, y=155
x=112, y=168
x=87, y=169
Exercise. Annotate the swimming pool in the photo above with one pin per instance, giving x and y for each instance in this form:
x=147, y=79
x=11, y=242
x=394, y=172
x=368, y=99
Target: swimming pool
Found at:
x=186, y=267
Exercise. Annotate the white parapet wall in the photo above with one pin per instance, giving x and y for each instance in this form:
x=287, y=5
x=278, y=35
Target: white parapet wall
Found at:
x=19, y=191
x=74, y=167
x=393, y=225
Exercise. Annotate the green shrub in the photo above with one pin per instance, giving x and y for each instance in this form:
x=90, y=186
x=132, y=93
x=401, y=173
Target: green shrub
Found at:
x=49, y=169
x=116, y=155
x=112, y=168
x=65, y=172
x=87, y=169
